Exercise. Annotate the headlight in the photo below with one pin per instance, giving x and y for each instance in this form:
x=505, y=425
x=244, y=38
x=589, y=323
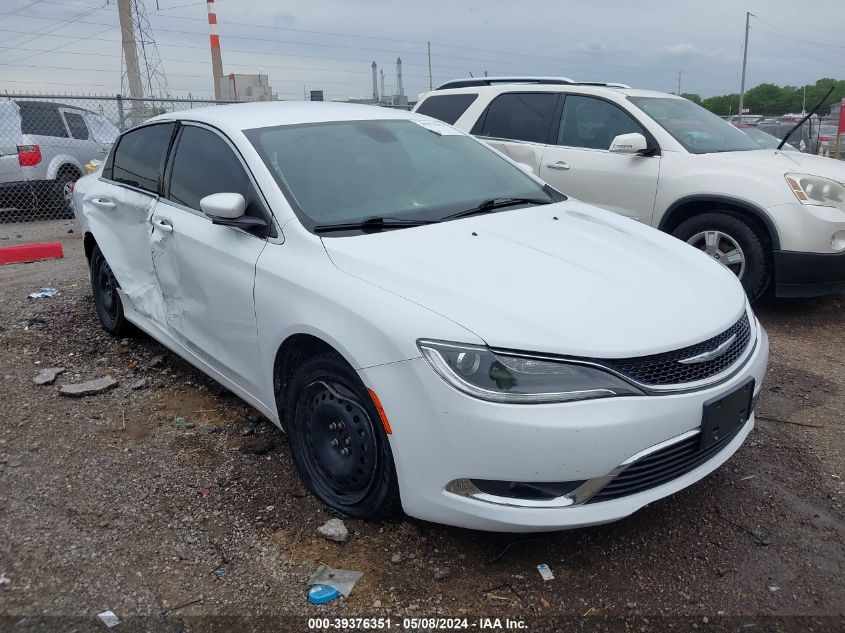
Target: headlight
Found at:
x=479, y=372
x=817, y=190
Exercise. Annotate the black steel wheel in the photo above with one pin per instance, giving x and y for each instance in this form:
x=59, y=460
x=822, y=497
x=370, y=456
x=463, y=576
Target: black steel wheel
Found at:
x=106, y=298
x=338, y=441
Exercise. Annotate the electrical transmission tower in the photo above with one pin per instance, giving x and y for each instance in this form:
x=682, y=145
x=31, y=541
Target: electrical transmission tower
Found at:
x=142, y=73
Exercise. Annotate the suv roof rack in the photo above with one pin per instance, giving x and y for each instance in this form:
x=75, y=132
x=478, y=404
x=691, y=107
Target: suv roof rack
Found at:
x=492, y=81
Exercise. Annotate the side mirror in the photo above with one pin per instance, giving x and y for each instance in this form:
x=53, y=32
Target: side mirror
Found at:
x=227, y=209
x=633, y=143
x=223, y=205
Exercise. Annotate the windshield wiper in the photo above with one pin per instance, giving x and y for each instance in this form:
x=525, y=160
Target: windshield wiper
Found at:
x=370, y=225
x=488, y=206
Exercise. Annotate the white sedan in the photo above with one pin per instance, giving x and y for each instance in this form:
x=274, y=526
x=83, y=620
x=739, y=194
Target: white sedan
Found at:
x=433, y=327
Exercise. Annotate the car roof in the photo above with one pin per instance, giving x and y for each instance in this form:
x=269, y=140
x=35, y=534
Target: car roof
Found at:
x=245, y=116
x=528, y=86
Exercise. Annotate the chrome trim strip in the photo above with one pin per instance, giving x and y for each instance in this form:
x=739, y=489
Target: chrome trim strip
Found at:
x=582, y=494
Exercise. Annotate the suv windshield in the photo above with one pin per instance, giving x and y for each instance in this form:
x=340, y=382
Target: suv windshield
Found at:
x=697, y=129
x=351, y=171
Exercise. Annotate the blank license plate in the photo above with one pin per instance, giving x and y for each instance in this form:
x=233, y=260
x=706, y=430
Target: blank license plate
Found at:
x=723, y=415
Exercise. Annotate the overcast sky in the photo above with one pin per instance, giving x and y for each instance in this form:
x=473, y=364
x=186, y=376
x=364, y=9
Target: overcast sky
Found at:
x=74, y=45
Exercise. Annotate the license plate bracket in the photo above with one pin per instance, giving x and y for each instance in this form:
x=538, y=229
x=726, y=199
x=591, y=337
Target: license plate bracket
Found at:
x=726, y=413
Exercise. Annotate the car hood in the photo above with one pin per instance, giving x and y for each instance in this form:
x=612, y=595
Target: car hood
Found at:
x=783, y=162
x=565, y=278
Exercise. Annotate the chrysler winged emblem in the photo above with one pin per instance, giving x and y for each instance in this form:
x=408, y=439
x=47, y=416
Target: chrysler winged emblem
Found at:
x=711, y=355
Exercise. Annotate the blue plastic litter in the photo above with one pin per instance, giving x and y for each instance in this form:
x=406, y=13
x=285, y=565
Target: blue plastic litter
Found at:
x=44, y=293
x=321, y=594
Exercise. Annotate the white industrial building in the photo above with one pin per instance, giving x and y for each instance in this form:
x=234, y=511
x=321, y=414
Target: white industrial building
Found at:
x=242, y=87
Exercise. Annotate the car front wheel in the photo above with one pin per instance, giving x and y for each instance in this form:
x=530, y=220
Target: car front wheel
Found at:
x=734, y=243
x=338, y=441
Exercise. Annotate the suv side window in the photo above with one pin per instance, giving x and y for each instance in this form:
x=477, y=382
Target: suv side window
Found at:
x=76, y=125
x=520, y=116
x=205, y=164
x=41, y=120
x=139, y=156
x=593, y=123
x=447, y=108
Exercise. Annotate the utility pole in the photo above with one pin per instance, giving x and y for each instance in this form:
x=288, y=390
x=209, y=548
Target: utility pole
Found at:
x=744, y=62
x=679, y=82
x=430, y=83
x=130, y=55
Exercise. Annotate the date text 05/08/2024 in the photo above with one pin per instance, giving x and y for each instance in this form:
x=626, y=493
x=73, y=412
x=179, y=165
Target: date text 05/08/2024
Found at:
x=416, y=624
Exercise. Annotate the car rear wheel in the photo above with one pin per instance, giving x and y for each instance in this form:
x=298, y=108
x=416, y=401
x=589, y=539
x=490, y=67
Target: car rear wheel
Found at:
x=65, y=180
x=734, y=243
x=106, y=298
x=338, y=441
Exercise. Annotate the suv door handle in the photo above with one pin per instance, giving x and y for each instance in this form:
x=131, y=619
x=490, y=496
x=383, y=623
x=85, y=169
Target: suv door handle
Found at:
x=559, y=165
x=163, y=225
x=103, y=202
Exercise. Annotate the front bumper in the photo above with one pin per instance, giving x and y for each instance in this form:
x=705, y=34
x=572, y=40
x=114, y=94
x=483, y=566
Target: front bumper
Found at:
x=809, y=274
x=440, y=436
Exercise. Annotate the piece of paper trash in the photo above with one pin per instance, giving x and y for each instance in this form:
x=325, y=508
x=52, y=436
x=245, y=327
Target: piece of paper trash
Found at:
x=4, y=580
x=545, y=572
x=109, y=618
x=44, y=293
x=341, y=579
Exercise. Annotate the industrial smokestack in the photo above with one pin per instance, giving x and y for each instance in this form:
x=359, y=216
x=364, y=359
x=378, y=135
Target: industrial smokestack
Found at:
x=375, y=83
x=216, y=58
x=399, y=90
x=383, y=93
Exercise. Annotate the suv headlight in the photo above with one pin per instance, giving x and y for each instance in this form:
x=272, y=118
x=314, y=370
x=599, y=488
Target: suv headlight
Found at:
x=479, y=372
x=817, y=190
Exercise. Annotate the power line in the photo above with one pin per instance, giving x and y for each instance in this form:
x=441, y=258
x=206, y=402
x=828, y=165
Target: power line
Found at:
x=794, y=50
x=792, y=36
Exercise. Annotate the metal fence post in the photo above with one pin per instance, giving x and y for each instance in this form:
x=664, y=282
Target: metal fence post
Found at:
x=120, y=116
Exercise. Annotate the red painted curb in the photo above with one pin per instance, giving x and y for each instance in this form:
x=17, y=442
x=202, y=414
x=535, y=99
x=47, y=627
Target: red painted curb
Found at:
x=30, y=252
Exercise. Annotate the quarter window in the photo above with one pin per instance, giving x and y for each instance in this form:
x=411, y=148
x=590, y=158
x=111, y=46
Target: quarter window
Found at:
x=447, y=108
x=593, y=123
x=205, y=164
x=519, y=116
x=139, y=157
x=76, y=125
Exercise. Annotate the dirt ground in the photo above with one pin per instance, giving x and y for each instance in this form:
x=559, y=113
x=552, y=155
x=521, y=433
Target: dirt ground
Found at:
x=172, y=503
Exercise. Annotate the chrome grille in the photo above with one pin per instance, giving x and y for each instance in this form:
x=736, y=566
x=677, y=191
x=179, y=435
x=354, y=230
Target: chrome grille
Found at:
x=666, y=368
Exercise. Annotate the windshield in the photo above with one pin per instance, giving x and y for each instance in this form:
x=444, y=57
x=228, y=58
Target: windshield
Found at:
x=351, y=171
x=697, y=129
x=764, y=139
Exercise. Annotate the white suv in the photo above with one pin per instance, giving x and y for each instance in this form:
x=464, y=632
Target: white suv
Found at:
x=773, y=218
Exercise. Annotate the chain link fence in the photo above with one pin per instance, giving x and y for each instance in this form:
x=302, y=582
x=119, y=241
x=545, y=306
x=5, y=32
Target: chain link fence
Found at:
x=46, y=142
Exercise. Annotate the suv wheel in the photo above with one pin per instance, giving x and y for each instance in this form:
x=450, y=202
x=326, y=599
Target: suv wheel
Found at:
x=734, y=243
x=64, y=190
x=106, y=298
x=337, y=439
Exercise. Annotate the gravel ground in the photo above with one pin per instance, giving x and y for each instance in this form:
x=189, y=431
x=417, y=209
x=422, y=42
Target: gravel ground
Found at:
x=168, y=500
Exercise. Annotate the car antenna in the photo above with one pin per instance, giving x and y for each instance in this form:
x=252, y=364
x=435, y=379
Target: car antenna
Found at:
x=806, y=118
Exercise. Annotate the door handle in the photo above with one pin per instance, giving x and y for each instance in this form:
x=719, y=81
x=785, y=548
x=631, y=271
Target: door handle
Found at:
x=163, y=225
x=103, y=202
x=559, y=165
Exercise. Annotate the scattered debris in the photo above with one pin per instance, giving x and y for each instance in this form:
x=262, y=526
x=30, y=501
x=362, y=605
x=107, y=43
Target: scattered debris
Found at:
x=299, y=494
x=4, y=580
x=321, y=594
x=396, y=559
x=109, y=618
x=44, y=293
x=545, y=572
x=376, y=604
x=441, y=573
x=631, y=605
x=257, y=446
x=156, y=361
x=207, y=430
x=14, y=462
x=747, y=477
x=205, y=492
x=251, y=426
x=248, y=461
x=334, y=530
x=141, y=383
x=48, y=375
x=182, y=605
x=774, y=588
x=341, y=579
x=88, y=388
x=182, y=424
x=220, y=572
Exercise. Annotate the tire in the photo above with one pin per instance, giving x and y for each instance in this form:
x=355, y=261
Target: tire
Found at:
x=721, y=233
x=106, y=298
x=61, y=193
x=337, y=440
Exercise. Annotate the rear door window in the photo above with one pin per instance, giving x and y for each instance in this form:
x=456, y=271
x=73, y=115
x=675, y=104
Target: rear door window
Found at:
x=205, y=164
x=518, y=116
x=76, y=125
x=139, y=157
x=42, y=121
x=447, y=108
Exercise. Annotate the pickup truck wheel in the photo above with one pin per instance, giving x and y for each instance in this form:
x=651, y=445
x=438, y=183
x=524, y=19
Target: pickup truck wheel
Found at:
x=732, y=242
x=106, y=298
x=338, y=442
